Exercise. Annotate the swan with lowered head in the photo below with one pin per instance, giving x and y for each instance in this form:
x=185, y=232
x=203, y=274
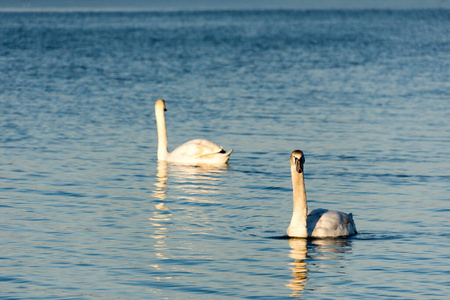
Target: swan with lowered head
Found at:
x=193, y=152
x=318, y=222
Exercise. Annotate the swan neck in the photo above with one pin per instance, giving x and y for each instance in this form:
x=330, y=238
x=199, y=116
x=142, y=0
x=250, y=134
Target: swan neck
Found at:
x=162, y=134
x=300, y=211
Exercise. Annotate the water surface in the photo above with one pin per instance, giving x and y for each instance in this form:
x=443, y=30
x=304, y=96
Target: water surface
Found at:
x=87, y=212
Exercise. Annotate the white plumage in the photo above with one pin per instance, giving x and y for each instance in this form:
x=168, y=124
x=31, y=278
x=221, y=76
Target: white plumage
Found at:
x=318, y=222
x=197, y=151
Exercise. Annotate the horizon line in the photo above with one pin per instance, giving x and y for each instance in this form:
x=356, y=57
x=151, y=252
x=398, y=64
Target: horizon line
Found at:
x=205, y=9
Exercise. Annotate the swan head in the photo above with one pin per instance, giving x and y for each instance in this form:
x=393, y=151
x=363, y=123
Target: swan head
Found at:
x=297, y=159
x=160, y=105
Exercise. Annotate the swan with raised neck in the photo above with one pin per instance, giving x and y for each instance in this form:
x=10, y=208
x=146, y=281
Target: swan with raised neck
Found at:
x=318, y=222
x=197, y=151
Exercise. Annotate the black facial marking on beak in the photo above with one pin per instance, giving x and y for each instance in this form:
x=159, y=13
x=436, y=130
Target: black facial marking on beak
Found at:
x=299, y=164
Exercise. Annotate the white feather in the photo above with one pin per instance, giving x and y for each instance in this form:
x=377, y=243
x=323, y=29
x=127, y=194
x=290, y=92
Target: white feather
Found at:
x=193, y=152
x=318, y=222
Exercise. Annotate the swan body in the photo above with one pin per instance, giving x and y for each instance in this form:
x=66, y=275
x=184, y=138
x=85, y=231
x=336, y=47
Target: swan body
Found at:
x=193, y=152
x=318, y=222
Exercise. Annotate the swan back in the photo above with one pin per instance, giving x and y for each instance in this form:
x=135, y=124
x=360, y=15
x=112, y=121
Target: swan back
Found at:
x=199, y=151
x=330, y=223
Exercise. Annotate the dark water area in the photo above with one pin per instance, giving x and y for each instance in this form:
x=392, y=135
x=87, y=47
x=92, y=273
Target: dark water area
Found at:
x=87, y=212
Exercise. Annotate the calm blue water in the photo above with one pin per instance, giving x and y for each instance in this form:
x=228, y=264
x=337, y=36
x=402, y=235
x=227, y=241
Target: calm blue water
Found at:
x=87, y=212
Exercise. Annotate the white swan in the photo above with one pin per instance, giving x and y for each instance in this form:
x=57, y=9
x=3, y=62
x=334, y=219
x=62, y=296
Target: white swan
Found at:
x=319, y=222
x=192, y=152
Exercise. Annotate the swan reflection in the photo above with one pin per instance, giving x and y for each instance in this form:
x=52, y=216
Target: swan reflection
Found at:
x=161, y=220
x=197, y=180
x=330, y=249
x=160, y=191
x=193, y=181
x=299, y=271
x=307, y=255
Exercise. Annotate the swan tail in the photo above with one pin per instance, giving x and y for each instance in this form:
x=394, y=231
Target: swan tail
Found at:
x=220, y=157
x=352, y=223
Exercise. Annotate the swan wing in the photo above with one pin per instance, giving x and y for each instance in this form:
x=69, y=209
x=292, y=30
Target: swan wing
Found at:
x=199, y=151
x=330, y=223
